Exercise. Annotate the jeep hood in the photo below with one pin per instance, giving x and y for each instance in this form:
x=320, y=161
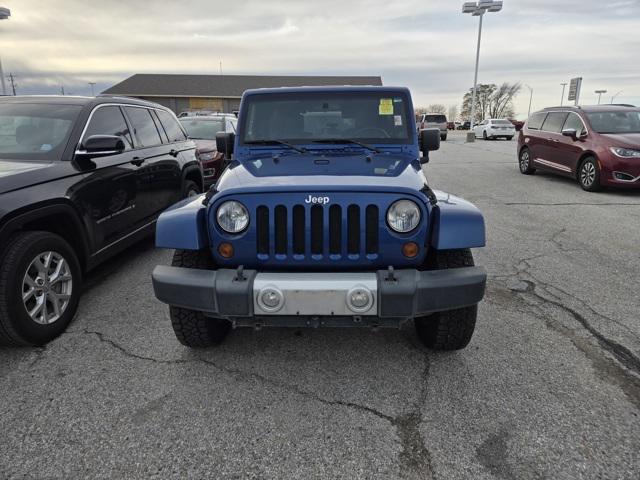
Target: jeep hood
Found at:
x=16, y=174
x=308, y=172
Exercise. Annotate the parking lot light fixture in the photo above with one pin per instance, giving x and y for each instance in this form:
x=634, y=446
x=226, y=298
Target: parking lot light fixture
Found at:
x=616, y=95
x=5, y=13
x=530, y=99
x=478, y=9
x=600, y=92
x=564, y=85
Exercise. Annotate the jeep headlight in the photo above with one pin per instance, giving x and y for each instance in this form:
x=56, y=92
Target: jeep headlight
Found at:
x=232, y=217
x=403, y=216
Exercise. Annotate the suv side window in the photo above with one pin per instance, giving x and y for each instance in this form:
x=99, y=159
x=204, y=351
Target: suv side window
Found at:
x=156, y=120
x=574, y=122
x=554, y=122
x=171, y=126
x=109, y=121
x=535, y=121
x=143, y=126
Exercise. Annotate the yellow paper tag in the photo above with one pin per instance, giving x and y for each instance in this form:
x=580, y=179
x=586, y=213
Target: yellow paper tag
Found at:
x=386, y=106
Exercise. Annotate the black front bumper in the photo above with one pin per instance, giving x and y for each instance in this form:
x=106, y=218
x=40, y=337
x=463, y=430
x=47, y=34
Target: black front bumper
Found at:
x=401, y=294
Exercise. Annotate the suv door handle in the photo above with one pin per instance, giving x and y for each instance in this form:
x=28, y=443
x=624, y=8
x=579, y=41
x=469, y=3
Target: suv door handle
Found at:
x=137, y=161
x=173, y=153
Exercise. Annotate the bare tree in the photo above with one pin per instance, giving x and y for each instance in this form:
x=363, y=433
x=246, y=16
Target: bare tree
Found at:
x=437, y=108
x=491, y=101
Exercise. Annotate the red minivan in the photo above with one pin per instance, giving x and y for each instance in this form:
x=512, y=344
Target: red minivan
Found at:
x=599, y=146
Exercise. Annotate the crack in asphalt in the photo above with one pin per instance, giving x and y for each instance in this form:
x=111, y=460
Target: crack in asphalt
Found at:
x=415, y=458
x=623, y=369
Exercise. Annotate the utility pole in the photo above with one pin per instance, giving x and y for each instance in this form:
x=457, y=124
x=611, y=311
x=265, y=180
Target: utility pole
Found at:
x=5, y=13
x=562, y=97
x=92, y=84
x=220, y=67
x=62, y=89
x=12, y=81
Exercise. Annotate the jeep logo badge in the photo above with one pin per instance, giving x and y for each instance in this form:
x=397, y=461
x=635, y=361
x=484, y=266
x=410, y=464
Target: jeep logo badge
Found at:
x=320, y=200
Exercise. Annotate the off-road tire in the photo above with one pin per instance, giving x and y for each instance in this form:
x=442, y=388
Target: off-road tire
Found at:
x=190, y=189
x=17, y=328
x=525, y=161
x=192, y=328
x=453, y=329
x=595, y=185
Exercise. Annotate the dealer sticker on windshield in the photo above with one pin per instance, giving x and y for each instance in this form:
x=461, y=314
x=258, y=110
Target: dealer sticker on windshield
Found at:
x=386, y=106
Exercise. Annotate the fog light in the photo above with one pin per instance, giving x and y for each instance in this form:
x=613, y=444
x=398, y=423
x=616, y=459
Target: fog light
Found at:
x=270, y=299
x=225, y=250
x=359, y=299
x=410, y=249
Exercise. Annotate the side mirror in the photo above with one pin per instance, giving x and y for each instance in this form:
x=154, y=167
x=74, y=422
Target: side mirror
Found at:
x=429, y=141
x=570, y=132
x=100, y=146
x=224, y=143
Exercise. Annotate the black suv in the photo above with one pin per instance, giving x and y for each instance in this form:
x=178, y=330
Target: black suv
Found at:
x=80, y=180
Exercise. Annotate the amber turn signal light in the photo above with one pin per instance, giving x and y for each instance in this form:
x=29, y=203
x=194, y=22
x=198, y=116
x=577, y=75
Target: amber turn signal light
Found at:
x=410, y=249
x=225, y=250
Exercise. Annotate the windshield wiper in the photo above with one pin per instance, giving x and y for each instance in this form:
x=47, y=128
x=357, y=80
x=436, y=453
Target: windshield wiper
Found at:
x=276, y=142
x=348, y=140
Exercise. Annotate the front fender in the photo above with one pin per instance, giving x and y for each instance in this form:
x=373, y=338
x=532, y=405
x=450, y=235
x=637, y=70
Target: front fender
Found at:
x=456, y=224
x=183, y=226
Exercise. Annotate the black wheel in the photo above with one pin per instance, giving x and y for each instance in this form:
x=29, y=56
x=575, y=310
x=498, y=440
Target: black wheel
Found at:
x=525, y=162
x=193, y=328
x=453, y=329
x=40, y=281
x=589, y=175
x=443, y=138
x=484, y=135
x=509, y=138
x=190, y=189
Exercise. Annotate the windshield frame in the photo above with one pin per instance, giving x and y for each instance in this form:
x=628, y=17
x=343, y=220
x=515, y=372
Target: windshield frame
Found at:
x=57, y=153
x=311, y=142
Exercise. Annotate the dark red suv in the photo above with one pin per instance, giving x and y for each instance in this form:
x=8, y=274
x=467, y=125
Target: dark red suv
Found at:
x=599, y=146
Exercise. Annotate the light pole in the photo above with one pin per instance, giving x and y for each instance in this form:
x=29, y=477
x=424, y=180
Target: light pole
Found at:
x=5, y=13
x=530, y=99
x=478, y=9
x=614, y=97
x=92, y=84
x=564, y=85
x=600, y=92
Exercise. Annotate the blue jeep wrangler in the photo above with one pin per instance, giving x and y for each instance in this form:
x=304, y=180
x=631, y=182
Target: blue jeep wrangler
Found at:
x=323, y=218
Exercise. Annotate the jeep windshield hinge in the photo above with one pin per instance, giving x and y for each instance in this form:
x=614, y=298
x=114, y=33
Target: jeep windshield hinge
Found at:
x=430, y=194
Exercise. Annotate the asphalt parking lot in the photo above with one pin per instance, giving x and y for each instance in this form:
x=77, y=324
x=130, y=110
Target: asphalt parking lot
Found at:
x=548, y=388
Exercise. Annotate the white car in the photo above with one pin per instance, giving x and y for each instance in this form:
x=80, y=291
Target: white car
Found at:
x=493, y=128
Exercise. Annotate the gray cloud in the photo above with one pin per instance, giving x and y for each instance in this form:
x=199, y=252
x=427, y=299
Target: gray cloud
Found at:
x=427, y=45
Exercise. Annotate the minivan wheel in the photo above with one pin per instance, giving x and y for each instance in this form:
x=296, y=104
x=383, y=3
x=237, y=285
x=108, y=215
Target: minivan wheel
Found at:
x=484, y=135
x=525, y=162
x=589, y=175
x=40, y=281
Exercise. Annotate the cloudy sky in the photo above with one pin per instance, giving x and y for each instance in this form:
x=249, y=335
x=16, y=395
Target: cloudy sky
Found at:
x=427, y=45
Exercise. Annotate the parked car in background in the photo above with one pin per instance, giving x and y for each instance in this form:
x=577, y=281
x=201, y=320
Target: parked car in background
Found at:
x=464, y=126
x=451, y=125
x=203, y=130
x=433, y=120
x=196, y=113
x=80, y=180
x=598, y=146
x=494, y=128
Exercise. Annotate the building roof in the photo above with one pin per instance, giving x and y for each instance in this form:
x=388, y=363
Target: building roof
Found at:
x=231, y=86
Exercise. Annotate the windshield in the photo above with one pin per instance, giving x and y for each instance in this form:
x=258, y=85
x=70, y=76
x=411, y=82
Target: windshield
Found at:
x=34, y=130
x=307, y=117
x=615, y=122
x=202, y=129
x=435, y=119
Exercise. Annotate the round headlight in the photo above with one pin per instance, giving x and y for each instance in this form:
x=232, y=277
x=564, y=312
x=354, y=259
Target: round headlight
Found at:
x=232, y=217
x=403, y=216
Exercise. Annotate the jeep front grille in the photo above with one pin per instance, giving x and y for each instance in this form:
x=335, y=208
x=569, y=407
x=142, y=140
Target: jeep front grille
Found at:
x=333, y=231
